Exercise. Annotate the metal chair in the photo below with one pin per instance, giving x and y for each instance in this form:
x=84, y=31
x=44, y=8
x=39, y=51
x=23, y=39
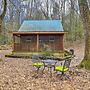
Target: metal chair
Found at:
x=64, y=68
x=37, y=62
x=71, y=51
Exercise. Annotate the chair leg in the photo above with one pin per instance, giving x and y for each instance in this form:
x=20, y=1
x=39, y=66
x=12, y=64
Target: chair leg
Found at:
x=43, y=69
x=38, y=69
x=54, y=68
x=50, y=71
x=62, y=75
x=36, y=72
x=65, y=75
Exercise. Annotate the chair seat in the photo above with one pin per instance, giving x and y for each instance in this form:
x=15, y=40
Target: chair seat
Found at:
x=61, y=68
x=38, y=64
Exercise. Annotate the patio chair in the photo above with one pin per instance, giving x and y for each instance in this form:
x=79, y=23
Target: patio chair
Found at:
x=37, y=62
x=71, y=51
x=64, y=68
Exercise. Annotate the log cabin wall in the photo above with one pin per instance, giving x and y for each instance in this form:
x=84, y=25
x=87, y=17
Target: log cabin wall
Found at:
x=28, y=43
x=16, y=43
x=55, y=42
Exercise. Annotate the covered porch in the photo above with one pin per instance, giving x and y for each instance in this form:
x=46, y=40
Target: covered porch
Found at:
x=34, y=41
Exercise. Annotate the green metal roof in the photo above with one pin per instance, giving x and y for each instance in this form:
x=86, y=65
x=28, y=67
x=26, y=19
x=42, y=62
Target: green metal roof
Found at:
x=41, y=26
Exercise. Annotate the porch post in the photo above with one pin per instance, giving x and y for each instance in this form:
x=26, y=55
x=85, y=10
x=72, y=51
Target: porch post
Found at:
x=37, y=42
x=63, y=43
x=13, y=42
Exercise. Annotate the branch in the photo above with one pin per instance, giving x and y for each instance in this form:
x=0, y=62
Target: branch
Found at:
x=15, y=6
x=75, y=9
x=4, y=10
x=43, y=11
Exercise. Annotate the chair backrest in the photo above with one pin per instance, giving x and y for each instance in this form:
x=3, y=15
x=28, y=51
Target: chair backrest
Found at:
x=35, y=58
x=71, y=51
x=67, y=63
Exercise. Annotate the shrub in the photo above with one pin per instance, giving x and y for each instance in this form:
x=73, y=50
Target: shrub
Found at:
x=46, y=50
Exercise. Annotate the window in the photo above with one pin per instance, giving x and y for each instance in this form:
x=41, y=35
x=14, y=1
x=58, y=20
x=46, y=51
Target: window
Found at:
x=43, y=38
x=51, y=38
x=28, y=40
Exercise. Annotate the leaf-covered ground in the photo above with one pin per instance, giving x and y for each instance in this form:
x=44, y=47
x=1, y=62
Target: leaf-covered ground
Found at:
x=19, y=74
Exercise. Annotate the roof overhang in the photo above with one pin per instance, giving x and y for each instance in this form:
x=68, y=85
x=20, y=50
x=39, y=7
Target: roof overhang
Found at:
x=24, y=33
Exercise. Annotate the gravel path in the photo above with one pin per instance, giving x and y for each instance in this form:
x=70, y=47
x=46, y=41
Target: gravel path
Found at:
x=18, y=74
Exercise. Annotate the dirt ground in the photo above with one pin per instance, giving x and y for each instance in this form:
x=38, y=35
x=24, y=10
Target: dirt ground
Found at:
x=19, y=74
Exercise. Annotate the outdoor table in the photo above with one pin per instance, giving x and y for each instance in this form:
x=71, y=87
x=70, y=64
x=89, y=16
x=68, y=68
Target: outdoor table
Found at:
x=49, y=63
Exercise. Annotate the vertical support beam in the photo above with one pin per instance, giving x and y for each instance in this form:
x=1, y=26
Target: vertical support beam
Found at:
x=37, y=42
x=13, y=42
x=63, y=42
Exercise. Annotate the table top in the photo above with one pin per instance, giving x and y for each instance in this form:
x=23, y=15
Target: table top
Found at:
x=50, y=61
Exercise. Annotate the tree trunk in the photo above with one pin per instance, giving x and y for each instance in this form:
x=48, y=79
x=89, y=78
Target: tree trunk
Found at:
x=3, y=14
x=0, y=25
x=85, y=14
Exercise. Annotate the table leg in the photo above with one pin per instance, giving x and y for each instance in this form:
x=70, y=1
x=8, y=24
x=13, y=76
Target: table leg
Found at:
x=50, y=71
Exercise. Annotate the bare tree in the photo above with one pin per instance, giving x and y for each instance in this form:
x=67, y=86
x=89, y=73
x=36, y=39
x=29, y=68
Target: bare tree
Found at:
x=3, y=14
x=85, y=14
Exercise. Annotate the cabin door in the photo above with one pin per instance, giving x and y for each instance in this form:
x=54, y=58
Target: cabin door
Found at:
x=28, y=43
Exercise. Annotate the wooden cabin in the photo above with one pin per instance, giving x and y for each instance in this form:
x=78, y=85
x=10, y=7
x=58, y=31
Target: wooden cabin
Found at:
x=34, y=34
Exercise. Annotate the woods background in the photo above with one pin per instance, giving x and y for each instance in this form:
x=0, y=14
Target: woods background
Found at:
x=19, y=10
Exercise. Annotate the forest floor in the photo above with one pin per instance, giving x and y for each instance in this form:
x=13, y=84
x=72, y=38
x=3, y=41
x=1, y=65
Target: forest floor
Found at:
x=18, y=74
